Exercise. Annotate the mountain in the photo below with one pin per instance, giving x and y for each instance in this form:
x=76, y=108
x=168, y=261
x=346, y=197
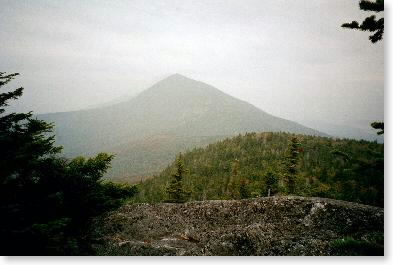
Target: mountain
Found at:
x=238, y=167
x=175, y=109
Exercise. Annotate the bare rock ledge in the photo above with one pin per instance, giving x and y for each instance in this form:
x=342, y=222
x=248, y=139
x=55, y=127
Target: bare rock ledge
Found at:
x=287, y=225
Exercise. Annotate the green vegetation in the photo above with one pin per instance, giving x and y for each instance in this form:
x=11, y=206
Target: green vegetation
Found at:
x=271, y=183
x=349, y=246
x=175, y=190
x=291, y=163
x=46, y=201
x=251, y=164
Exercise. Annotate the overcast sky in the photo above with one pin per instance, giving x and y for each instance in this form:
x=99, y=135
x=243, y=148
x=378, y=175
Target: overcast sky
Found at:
x=289, y=58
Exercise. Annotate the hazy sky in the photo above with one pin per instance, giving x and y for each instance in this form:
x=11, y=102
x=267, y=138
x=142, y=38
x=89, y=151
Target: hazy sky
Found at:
x=289, y=58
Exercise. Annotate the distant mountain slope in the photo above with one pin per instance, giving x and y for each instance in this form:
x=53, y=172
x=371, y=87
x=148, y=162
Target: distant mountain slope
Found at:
x=176, y=106
x=341, y=169
x=149, y=156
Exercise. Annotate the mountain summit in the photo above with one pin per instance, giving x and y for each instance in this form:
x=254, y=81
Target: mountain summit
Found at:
x=176, y=108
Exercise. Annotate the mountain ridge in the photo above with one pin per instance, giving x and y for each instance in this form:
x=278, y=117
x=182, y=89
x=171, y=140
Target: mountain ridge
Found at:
x=177, y=106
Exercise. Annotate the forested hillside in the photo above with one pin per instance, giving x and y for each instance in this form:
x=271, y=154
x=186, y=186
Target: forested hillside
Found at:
x=249, y=165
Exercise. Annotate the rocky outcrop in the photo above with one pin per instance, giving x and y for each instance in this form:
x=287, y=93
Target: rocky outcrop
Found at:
x=264, y=226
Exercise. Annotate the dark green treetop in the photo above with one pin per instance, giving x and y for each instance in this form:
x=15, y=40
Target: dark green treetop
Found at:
x=370, y=23
x=24, y=141
x=378, y=126
x=175, y=190
x=291, y=163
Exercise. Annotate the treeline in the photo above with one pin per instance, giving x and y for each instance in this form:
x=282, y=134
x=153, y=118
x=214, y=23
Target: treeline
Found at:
x=46, y=201
x=263, y=164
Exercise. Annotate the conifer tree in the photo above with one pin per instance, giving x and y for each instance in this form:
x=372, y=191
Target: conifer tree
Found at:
x=271, y=183
x=46, y=202
x=23, y=139
x=291, y=164
x=370, y=23
x=175, y=191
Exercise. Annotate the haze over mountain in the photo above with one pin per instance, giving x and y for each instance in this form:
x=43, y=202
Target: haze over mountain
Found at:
x=350, y=129
x=148, y=130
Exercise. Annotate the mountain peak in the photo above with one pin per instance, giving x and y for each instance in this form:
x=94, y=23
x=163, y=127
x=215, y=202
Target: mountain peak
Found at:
x=178, y=77
x=180, y=88
x=178, y=83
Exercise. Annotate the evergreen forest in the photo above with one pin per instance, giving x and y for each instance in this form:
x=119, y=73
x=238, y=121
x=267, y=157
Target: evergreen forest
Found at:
x=260, y=164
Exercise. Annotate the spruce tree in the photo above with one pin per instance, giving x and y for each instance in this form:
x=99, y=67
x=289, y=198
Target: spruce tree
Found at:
x=175, y=190
x=291, y=164
x=46, y=201
x=24, y=141
x=271, y=183
x=370, y=23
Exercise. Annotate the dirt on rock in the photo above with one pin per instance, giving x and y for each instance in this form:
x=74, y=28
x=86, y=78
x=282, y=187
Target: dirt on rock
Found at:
x=264, y=226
